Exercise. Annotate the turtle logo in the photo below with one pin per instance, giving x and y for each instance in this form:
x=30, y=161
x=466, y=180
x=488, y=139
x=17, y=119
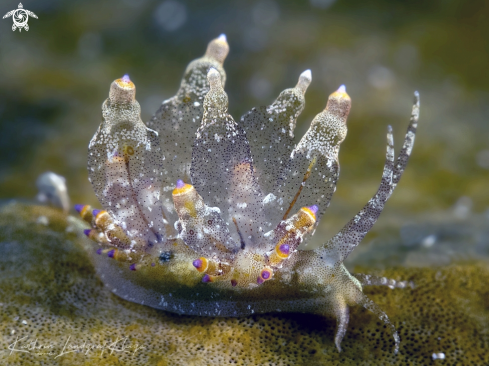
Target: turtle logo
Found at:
x=20, y=17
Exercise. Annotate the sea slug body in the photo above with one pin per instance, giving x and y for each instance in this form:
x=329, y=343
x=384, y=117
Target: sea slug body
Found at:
x=204, y=215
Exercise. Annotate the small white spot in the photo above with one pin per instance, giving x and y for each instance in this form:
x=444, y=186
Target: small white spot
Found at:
x=438, y=356
x=428, y=241
x=43, y=220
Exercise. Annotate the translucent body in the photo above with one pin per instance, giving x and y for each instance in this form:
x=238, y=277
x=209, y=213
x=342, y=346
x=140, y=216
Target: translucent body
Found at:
x=244, y=199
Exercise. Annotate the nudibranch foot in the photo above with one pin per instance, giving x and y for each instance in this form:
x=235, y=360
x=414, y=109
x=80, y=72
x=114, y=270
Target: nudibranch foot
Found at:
x=205, y=215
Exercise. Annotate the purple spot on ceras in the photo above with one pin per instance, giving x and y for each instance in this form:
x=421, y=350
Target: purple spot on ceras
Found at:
x=79, y=208
x=197, y=263
x=265, y=274
x=285, y=249
x=260, y=280
x=110, y=253
x=95, y=212
x=87, y=232
x=132, y=267
x=206, y=278
x=314, y=209
x=126, y=78
x=180, y=183
x=99, y=251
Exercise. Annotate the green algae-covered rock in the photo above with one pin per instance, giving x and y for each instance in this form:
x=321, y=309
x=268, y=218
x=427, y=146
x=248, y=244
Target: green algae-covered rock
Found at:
x=55, y=311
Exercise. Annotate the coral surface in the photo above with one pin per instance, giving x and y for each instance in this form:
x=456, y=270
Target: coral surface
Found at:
x=51, y=299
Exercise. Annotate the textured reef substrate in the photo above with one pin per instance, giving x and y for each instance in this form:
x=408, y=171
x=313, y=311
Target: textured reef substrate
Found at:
x=55, y=311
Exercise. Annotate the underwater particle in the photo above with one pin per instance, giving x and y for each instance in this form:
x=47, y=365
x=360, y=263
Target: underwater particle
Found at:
x=259, y=87
x=428, y=241
x=322, y=4
x=43, y=220
x=463, y=207
x=482, y=159
x=380, y=77
x=265, y=13
x=90, y=45
x=438, y=356
x=171, y=15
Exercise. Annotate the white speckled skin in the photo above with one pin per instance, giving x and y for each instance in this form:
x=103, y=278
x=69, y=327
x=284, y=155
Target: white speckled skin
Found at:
x=225, y=242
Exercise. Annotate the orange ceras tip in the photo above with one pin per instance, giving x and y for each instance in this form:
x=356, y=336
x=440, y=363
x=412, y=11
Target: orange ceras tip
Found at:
x=125, y=82
x=97, y=212
x=341, y=93
x=311, y=210
x=80, y=208
x=181, y=187
x=283, y=250
x=200, y=264
x=265, y=275
x=207, y=278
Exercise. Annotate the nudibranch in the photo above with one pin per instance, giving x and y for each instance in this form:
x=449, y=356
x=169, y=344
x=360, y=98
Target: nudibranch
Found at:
x=204, y=215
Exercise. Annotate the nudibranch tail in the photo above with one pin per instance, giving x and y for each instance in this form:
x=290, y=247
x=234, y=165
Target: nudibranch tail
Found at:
x=342, y=313
x=368, y=304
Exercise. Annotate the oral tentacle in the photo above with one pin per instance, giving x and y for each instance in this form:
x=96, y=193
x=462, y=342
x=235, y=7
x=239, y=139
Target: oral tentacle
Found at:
x=355, y=230
x=343, y=243
x=407, y=147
